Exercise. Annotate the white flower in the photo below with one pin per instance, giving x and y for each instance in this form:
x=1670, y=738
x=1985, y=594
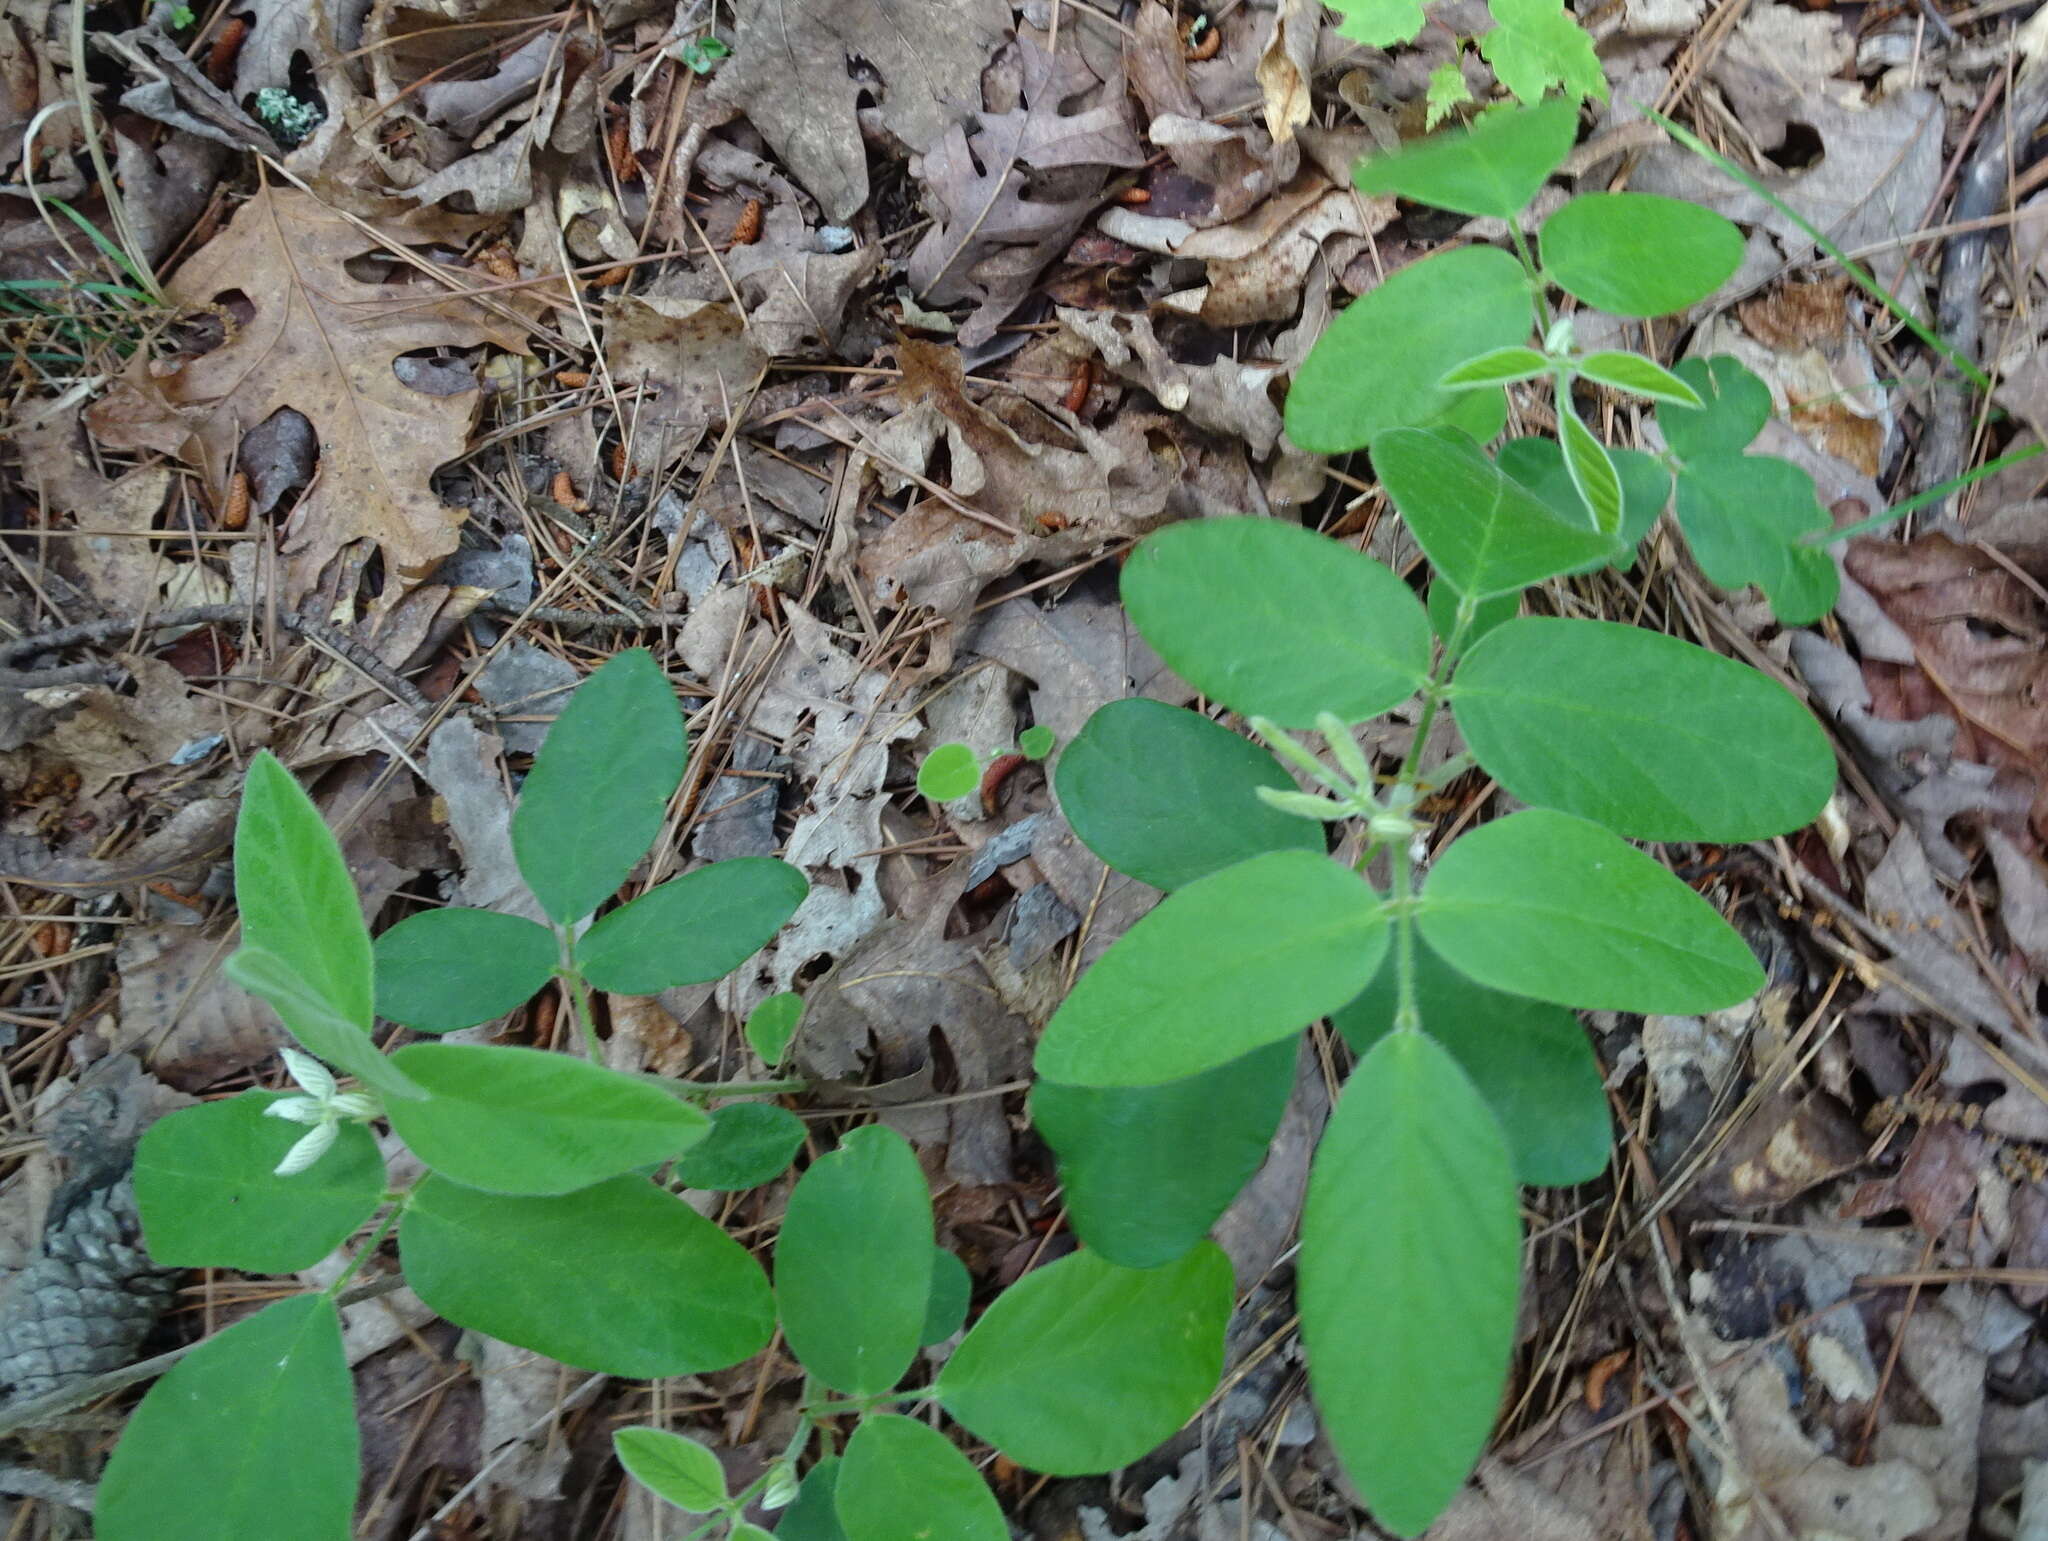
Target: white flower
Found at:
x=322, y=1109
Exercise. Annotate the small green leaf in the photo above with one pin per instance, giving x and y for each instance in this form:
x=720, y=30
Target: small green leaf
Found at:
x=253, y=1433
x=1493, y=168
x=1592, y=473
x=1538, y=464
x=692, y=929
x=597, y=794
x=1379, y=23
x=1377, y=365
x=326, y=1034
x=1447, y=91
x=675, y=1469
x=512, y=1120
x=1036, y=741
x=815, y=1514
x=207, y=1189
x=1743, y=516
x=1551, y=906
x=1410, y=1269
x=1651, y=736
x=1529, y=1060
x=1233, y=961
x=949, y=771
x=1167, y=796
x=853, y=1265
x=1637, y=375
x=444, y=969
x=952, y=1293
x=902, y=1480
x=1735, y=407
x=1536, y=44
x=621, y=1278
x=1638, y=254
x=297, y=899
x=1082, y=1366
x=1484, y=532
x=772, y=1024
x=1147, y=1169
x=1502, y=366
x=1277, y=621
x=750, y=1143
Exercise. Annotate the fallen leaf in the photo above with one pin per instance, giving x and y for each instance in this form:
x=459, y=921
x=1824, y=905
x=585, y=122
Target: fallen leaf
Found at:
x=1225, y=395
x=789, y=73
x=323, y=342
x=1287, y=66
x=693, y=362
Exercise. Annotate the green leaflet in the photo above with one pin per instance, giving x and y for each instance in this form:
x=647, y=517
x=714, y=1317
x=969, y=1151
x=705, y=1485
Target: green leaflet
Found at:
x=1638, y=254
x=692, y=929
x=1277, y=621
x=1491, y=169
x=672, y=1467
x=750, y=1143
x=253, y=1433
x=1082, y=1366
x=1554, y=907
x=596, y=796
x=621, y=1277
x=853, y=1265
x=206, y=1186
x=1410, y=1269
x=1233, y=961
x=901, y=1480
x=441, y=970
x=1148, y=1169
x=1380, y=363
x=1651, y=736
x=1167, y=796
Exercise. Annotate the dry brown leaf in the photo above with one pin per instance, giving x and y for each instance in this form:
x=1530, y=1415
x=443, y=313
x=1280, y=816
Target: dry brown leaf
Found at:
x=324, y=343
x=789, y=73
x=1287, y=66
x=693, y=360
x=1009, y=198
x=1225, y=395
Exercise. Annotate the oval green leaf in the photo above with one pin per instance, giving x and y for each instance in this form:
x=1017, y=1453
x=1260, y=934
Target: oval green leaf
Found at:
x=325, y=1033
x=1410, y=1268
x=1493, y=168
x=1743, y=516
x=1651, y=736
x=815, y=1514
x=1277, y=621
x=902, y=1480
x=512, y=1120
x=595, y=798
x=1637, y=375
x=1551, y=906
x=675, y=1469
x=1228, y=964
x=1530, y=1061
x=1484, y=532
x=952, y=1293
x=750, y=1143
x=1638, y=254
x=772, y=1024
x=1380, y=364
x=949, y=771
x=692, y=929
x=853, y=1265
x=1538, y=464
x=1147, y=1169
x=621, y=1278
x=1734, y=406
x=1167, y=796
x=1592, y=473
x=207, y=1189
x=253, y=1433
x=444, y=969
x=1502, y=366
x=1082, y=1366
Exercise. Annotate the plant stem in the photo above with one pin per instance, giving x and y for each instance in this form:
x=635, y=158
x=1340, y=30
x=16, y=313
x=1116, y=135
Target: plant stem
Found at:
x=369, y=1247
x=697, y=1089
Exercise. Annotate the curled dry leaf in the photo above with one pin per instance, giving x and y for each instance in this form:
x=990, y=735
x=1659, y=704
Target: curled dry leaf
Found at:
x=323, y=342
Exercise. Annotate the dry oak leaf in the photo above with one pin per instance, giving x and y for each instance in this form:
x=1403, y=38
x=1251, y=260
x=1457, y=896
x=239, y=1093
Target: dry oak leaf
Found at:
x=325, y=343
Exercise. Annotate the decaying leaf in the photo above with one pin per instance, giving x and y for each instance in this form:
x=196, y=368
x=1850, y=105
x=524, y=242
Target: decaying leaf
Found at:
x=324, y=342
x=693, y=361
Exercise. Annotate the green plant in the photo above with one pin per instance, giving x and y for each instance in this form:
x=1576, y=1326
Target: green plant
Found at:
x=1535, y=46
x=550, y=1215
x=955, y=770
x=1163, y=1074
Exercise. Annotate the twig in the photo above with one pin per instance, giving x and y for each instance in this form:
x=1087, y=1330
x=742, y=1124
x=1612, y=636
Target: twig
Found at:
x=32, y=1483
x=319, y=633
x=577, y=620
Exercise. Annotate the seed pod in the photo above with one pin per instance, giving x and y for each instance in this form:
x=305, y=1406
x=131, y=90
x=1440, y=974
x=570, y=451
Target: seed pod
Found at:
x=564, y=492
x=499, y=262
x=618, y=462
x=227, y=44
x=1210, y=41
x=574, y=379
x=1052, y=521
x=747, y=229
x=234, y=514
x=1134, y=196
x=1000, y=770
x=610, y=276
x=618, y=147
x=1079, y=385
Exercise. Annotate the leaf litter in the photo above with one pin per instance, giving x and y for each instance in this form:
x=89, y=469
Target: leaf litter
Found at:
x=844, y=376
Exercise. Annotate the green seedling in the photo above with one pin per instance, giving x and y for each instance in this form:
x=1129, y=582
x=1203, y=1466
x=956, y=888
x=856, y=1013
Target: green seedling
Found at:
x=551, y=1215
x=1534, y=46
x=955, y=770
x=1452, y=969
